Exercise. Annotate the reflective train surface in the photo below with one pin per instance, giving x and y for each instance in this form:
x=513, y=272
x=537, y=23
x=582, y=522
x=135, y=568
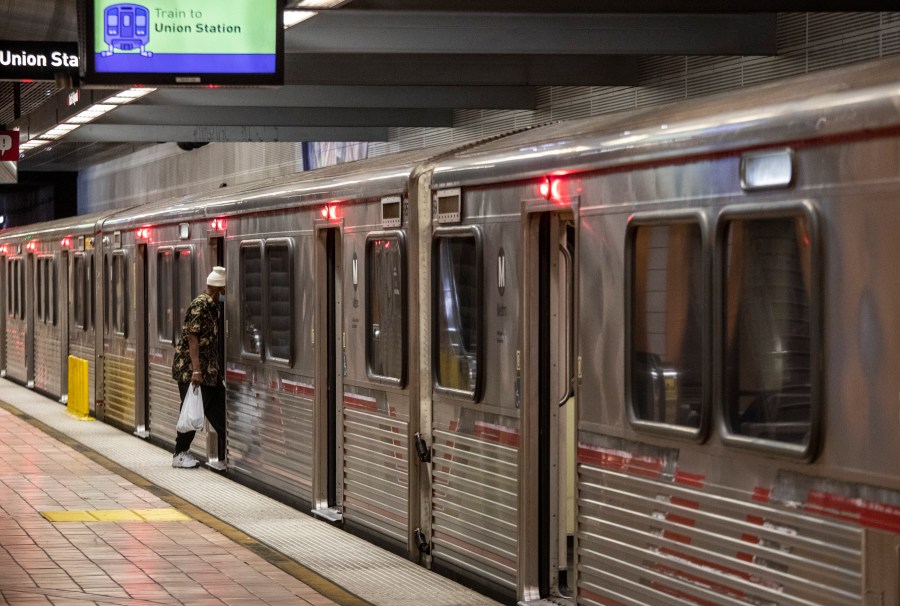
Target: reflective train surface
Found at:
x=649, y=358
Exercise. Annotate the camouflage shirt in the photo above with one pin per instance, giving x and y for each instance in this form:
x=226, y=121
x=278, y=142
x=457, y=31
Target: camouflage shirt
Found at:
x=201, y=319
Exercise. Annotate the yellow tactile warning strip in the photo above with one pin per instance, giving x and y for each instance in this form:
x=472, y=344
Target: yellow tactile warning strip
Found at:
x=314, y=580
x=117, y=515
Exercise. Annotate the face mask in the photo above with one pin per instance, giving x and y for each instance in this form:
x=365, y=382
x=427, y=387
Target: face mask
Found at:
x=221, y=298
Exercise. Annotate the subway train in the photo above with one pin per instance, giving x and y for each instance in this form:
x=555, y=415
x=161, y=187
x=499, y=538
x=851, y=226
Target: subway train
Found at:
x=645, y=358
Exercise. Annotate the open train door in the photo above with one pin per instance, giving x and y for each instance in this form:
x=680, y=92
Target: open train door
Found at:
x=546, y=459
x=327, y=447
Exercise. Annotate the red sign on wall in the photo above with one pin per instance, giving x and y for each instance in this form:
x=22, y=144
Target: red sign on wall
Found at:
x=9, y=146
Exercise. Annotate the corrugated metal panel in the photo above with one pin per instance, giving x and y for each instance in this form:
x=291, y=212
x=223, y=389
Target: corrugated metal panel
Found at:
x=270, y=434
x=475, y=506
x=791, y=31
x=766, y=69
x=706, y=76
x=47, y=352
x=653, y=540
x=376, y=471
x=118, y=389
x=824, y=27
x=851, y=49
x=15, y=351
x=165, y=406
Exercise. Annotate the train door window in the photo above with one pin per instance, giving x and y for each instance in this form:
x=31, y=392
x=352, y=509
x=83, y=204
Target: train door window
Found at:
x=38, y=290
x=20, y=305
x=251, y=298
x=386, y=307
x=91, y=295
x=165, y=297
x=10, y=286
x=668, y=384
x=279, y=301
x=119, y=290
x=53, y=280
x=457, y=302
x=770, y=327
x=78, y=292
x=183, y=286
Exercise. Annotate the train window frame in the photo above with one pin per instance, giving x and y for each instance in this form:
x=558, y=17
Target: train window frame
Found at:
x=10, y=279
x=448, y=233
x=38, y=288
x=636, y=221
x=400, y=237
x=165, y=295
x=805, y=210
x=266, y=348
x=245, y=245
x=53, y=278
x=118, y=321
x=20, y=290
x=80, y=291
x=178, y=264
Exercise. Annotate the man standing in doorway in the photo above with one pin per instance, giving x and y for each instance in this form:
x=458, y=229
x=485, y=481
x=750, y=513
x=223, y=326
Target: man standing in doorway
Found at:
x=197, y=363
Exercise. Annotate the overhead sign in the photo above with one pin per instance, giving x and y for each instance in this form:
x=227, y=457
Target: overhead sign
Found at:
x=184, y=42
x=37, y=60
x=9, y=145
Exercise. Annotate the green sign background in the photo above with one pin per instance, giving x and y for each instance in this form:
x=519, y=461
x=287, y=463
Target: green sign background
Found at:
x=255, y=18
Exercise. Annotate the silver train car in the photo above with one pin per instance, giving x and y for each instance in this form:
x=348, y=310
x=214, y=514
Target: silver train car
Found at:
x=49, y=303
x=638, y=359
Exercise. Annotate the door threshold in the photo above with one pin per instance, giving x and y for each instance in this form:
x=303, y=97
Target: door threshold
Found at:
x=551, y=601
x=333, y=515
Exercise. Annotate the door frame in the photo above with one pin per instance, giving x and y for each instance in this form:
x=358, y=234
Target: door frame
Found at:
x=539, y=460
x=327, y=484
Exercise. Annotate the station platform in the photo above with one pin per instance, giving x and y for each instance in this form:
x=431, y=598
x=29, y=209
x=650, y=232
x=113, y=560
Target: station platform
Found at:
x=92, y=515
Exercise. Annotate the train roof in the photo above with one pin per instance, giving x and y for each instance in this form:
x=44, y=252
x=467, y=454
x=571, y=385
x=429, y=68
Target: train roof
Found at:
x=373, y=177
x=68, y=226
x=816, y=106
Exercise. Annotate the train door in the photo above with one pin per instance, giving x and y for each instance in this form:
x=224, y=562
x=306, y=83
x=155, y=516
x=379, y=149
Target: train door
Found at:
x=62, y=317
x=546, y=516
x=4, y=307
x=215, y=443
x=28, y=308
x=327, y=459
x=141, y=361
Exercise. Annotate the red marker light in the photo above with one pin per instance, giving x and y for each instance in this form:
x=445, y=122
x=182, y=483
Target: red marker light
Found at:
x=218, y=224
x=329, y=211
x=551, y=189
x=143, y=233
x=31, y=246
x=65, y=242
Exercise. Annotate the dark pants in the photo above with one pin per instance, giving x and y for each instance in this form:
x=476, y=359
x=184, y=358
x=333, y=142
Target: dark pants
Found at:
x=213, y=408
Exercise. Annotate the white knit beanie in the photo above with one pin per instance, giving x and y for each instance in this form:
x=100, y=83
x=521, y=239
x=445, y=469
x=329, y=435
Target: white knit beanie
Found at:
x=216, y=277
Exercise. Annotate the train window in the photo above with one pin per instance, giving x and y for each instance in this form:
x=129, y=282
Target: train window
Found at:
x=10, y=280
x=386, y=307
x=251, y=298
x=457, y=302
x=279, y=300
x=769, y=325
x=20, y=289
x=119, y=289
x=667, y=382
x=78, y=292
x=165, y=297
x=52, y=287
x=38, y=290
x=89, y=288
x=183, y=286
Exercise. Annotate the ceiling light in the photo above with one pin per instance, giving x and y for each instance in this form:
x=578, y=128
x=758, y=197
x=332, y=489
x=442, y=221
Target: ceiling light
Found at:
x=94, y=111
x=319, y=3
x=58, y=131
x=292, y=18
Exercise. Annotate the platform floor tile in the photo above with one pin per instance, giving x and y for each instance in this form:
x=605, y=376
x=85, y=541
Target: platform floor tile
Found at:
x=107, y=554
x=375, y=575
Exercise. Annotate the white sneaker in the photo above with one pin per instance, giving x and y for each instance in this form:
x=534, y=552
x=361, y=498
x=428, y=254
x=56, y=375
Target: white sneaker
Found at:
x=184, y=460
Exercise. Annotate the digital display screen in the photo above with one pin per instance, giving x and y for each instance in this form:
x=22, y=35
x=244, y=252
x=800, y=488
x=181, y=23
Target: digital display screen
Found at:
x=188, y=42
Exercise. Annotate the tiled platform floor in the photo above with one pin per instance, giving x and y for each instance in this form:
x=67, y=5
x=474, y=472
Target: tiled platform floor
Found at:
x=135, y=563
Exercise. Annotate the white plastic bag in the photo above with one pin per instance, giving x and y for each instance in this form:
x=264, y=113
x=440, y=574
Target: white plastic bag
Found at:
x=191, y=417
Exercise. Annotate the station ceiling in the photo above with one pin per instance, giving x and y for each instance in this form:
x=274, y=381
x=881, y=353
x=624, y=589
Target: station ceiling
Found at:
x=354, y=71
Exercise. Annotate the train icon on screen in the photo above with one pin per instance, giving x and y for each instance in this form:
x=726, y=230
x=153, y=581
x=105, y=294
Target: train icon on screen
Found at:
x=126, y=27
